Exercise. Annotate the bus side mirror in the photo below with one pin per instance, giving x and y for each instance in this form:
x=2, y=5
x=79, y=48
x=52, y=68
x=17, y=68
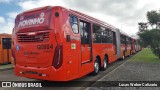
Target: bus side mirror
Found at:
x=68, y=38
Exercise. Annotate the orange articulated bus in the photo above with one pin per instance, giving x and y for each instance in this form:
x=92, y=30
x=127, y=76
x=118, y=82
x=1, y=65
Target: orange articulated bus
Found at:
x=59, y=44
x=5, y=48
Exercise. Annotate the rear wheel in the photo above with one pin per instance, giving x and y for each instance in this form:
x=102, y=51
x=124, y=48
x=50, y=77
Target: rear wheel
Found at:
x=105, y=63
x=96, y=67
x=123, y=57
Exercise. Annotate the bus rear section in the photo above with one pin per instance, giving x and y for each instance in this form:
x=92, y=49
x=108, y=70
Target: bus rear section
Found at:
x=37, y=49
x=5, y=48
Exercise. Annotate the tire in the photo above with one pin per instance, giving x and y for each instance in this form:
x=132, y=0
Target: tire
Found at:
x=131, y=53
x=105, y=63
x=96, y=67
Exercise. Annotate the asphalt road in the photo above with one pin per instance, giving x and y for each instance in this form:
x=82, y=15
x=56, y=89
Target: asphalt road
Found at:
x=132, y=70
x=8, y=75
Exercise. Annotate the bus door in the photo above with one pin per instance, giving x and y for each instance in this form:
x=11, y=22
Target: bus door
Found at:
x=6, y=46
x=86, y=43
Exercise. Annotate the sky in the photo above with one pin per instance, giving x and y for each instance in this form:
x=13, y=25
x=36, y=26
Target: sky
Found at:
x=123, y=14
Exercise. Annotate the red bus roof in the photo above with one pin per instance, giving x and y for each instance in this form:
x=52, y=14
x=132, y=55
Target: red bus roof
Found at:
x=79, y=14
x=93, y=19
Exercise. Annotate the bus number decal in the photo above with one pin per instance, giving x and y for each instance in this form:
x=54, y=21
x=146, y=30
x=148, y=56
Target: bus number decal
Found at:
x=45, y=46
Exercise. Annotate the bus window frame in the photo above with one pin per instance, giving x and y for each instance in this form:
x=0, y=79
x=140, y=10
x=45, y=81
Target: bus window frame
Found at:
x=109, y=34
x=71, y=23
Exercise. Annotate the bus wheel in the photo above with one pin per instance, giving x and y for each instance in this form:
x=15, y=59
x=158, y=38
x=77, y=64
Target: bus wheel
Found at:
x=105, y=63
x=96, y=67
x=123, y=57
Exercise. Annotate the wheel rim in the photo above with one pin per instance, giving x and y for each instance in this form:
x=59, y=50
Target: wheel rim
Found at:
x=123, y=57
x=105, y=64
x=96, y=65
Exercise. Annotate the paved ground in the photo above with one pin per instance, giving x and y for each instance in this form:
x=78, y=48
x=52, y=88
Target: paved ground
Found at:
x=118, y=71
x=132, y=71
x=135, y=71
x=8, y=75
x=7, y=66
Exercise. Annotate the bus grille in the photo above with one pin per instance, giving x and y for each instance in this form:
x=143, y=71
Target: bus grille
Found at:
x=39, y=37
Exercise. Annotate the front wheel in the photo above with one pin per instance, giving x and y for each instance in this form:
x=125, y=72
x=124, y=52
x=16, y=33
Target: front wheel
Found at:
x=96, y=67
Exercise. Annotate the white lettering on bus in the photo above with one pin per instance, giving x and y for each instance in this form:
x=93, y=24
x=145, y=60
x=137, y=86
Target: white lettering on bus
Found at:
x=34, y=21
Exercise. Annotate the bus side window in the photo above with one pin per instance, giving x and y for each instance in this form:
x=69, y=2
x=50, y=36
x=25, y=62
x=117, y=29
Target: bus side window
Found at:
x=81, y=32
x=97, y=34
x=105, y=36
x=84, y=32
x=122, y=39
x=110, y=36
x=6, y=42
x=74, y=24
x=125, y=40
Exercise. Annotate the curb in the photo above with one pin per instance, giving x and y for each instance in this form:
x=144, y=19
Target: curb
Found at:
x=6, y=69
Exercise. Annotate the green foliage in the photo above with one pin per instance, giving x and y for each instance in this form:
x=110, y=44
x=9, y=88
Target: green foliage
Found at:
x=142, y=26
x=155, y=42
x=153, y=18
x=151, y=38
x=145, y=37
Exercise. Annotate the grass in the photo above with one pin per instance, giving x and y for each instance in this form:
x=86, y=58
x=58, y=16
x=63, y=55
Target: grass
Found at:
x=145, y=55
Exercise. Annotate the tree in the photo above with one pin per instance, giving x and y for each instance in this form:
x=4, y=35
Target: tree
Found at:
x=155, y=42
x=151, y=37
x=153, y=18
x=143, y=26
x=145, y=37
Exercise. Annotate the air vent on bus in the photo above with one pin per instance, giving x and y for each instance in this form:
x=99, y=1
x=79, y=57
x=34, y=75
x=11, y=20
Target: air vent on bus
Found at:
x=38, y=37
